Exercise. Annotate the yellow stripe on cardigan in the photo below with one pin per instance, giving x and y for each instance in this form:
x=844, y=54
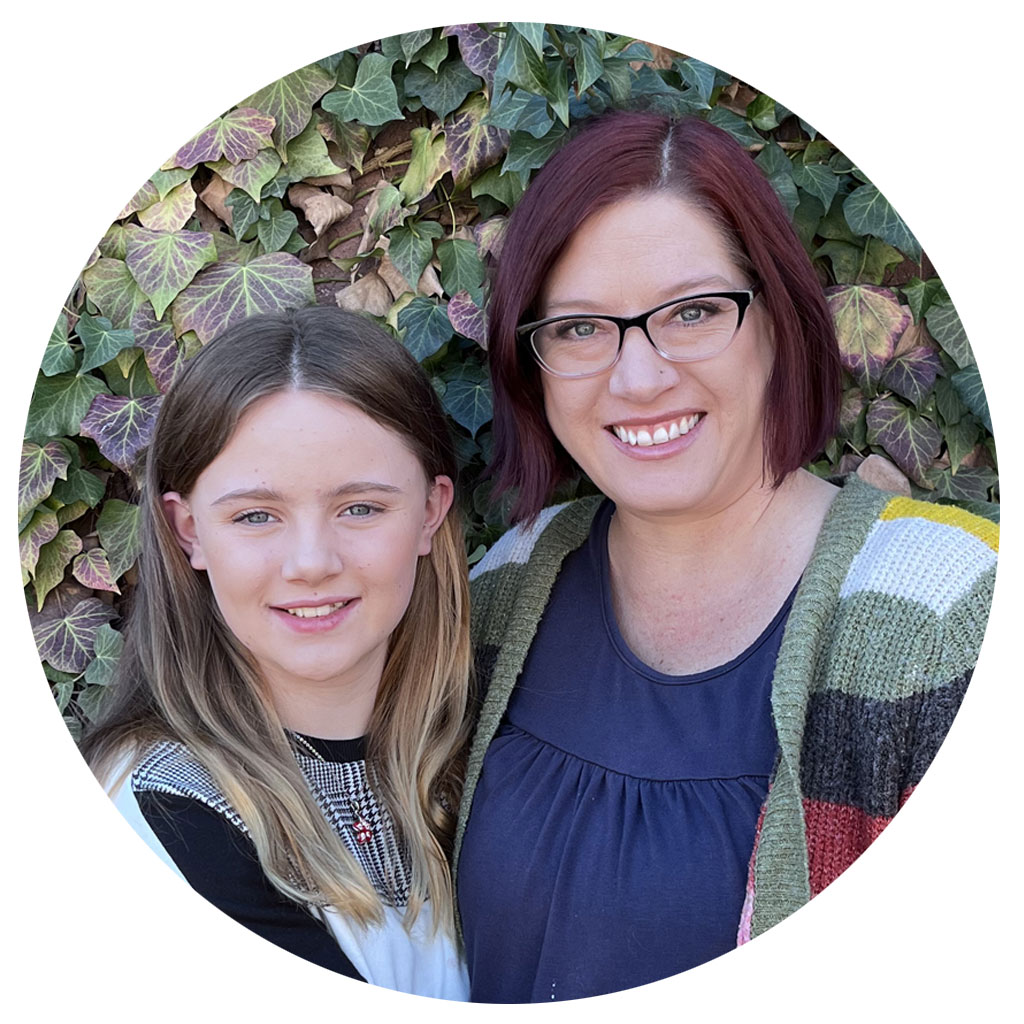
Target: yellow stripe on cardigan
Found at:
x=950, y=515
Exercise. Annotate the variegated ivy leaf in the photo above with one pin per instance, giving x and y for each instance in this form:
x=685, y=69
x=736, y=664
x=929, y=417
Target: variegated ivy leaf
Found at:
x=225, y=293
x=275, y=228
x=81, y=486
x=520, y=64
x=249, y=175
x=472, y=145
x=412, y=246
x=54, y=558
x=59, y=403
x=427, y=165
x=101, y=341
x=352, y=139
x=171, y=213
x=467, y=397
x=944, y=325
x=156, y=339
x=384, y=210
x=108, y=647
x=969, y=483
x=868, y=212
x=93, y=570
x=490, y=235
x=411, y=43
x=66, y=639
x=869, y=321
x=913, y=374
x=121, y=426
x=113, y=290
x=41, y=467
x=468, y=318
x=372, y=99
x=289, y=101
x=163, y=263
x=912, y=440
x=238, y=135
x=59, y=356
x=146, y=196
x=444, y=90
x=426, y=327
x=817, y=179
x=921, y=294
x=968, y=386
x=479, y=49
x=461, y=267
x=69, y=513
x=525, y=153
x=521, y=111
x=117, y=527
x=39, y=530
x=166, y=181
x=308, y=156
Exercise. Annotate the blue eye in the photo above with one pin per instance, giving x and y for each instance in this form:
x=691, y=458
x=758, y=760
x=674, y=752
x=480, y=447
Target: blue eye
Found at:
x=361, y=511
x=255, y=518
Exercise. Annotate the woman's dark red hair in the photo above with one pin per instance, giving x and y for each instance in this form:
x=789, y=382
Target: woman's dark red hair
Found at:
x=623, y=154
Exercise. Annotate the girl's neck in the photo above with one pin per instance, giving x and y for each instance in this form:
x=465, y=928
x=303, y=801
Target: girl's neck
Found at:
x=327, y=710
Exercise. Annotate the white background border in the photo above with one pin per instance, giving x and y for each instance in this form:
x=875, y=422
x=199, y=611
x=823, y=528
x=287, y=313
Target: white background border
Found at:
x=927, y=923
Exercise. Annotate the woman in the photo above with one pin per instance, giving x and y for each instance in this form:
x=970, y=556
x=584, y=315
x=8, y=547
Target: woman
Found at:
x=288, y=726
x=708, y=692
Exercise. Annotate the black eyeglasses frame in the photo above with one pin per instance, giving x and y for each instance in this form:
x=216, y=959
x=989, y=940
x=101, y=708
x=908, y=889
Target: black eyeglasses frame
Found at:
x=743, y=297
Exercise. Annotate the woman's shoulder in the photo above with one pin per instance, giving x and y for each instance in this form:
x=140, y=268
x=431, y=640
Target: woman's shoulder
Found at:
x=562, y=526
x=922, y=550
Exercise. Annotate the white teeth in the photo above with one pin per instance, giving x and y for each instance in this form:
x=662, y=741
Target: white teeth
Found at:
x=316, y=613
x=645, y=439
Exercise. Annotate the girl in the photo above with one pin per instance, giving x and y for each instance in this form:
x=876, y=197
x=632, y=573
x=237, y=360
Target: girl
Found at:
x=289, y=718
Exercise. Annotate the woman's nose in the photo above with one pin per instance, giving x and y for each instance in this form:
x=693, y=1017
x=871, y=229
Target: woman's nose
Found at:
x=311, y=555
x=641, y=373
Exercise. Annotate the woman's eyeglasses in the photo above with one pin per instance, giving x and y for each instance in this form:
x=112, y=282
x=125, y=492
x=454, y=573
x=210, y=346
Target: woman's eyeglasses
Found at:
x=683, y=330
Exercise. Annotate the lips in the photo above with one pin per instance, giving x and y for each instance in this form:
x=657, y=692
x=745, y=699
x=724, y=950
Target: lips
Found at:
x=306, y=617
x=656, y=432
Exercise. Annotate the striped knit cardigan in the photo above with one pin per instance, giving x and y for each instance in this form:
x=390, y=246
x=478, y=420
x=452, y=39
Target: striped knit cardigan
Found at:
x=880, y=643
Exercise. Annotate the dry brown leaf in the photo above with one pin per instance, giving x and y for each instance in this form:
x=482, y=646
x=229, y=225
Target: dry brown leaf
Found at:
x=368, y=295
x=343, y=179
x=915, y=336
x=429, y=283
x=881, y=473
x=214, y=195
x=321, y=208
x=392, y=276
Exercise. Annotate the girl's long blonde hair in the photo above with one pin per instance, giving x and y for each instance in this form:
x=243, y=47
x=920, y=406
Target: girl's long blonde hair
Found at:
x=183, y=675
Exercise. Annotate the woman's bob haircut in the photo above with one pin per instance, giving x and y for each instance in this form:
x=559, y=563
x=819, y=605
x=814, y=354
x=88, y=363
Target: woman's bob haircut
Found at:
x=624, y=154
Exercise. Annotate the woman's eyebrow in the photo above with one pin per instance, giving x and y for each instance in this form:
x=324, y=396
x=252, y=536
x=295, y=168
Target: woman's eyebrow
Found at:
x=679, y=291
x=341, y=491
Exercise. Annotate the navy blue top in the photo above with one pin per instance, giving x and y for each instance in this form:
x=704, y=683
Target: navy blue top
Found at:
x=614, y=817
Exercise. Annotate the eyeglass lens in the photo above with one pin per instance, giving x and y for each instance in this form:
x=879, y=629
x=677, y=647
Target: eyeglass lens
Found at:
x=689, y=330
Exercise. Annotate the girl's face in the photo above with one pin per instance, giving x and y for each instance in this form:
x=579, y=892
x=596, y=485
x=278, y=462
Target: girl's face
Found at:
x=623, y=260
x=309, y=525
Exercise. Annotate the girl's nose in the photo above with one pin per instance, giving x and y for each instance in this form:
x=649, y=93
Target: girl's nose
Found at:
x=312, y=554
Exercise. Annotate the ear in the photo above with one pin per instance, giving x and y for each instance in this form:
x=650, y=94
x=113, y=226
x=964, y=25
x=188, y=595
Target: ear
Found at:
x=183, y=525
x=439, y=501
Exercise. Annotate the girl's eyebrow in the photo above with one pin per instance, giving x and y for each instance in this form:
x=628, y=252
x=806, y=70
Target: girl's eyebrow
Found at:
x=341, y=491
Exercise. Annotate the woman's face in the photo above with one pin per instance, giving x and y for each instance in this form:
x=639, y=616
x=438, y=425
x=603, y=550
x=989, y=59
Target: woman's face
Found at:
x=623, y=260
x=309, y=525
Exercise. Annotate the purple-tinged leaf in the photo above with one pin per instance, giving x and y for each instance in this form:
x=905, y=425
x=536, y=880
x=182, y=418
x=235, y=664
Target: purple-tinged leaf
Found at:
x=158, y=344
x=41, y=467
x=121, y=426
x=59, y=403
x=250, y=175
x=238, y=135
x=67, y=641
x=910, y=439
x=54, y=558
x=164, y=263
x=225, y=293
x=93, y=569
x=113, y=290
x=117, y=527
x=40, y=530
x=289, y=101
x=490, y=236
x=478, y=48
x=171, y=213
x=851, y=408
x=146, y=196
x=869, y=321
x=468, y=318
x=969, y=483
x=913, y=374
x=473, y=146
x=101, y=341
